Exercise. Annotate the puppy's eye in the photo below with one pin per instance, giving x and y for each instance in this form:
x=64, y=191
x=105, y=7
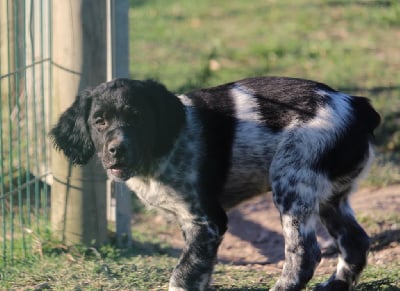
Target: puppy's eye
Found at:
x=100, y=121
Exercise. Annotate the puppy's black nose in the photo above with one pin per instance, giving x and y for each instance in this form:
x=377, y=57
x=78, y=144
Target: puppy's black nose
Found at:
x=116, y=149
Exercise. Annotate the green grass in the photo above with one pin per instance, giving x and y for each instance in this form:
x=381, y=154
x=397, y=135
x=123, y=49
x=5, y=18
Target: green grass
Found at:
x=346, y=45
x=24, y=224
x=90, y=271
x=107, y=268
x=147, y=265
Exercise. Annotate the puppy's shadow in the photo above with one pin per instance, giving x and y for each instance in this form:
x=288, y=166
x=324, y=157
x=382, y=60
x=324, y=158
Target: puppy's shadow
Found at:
x=269, y=243
x=237, y=289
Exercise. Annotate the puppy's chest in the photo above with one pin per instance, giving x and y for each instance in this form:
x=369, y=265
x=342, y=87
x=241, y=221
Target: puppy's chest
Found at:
x=174, y=184
x=151, y=191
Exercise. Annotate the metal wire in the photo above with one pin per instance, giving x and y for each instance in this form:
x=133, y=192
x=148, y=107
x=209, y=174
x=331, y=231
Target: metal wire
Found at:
x=24, y=87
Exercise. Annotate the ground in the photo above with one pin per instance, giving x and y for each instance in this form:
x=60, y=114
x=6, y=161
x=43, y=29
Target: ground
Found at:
x=254, y=239
x=250, y=257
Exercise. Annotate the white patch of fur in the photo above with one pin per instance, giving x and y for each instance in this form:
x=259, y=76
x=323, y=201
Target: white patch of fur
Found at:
x=246, y=107
x=156, y=194
x=343, y=269
x=289, y=231
x=325, y=127
x=341, y=265
x=185, y=100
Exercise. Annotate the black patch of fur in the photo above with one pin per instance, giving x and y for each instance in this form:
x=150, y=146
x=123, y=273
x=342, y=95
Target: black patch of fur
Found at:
x=216, y=113
x=71, y=134
x=288, y=199
x=350, y=237
x=168, y=112
x=351, y=147
x=197, y=259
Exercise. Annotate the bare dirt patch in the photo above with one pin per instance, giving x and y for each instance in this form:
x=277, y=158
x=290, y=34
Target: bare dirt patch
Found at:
x=255, y=237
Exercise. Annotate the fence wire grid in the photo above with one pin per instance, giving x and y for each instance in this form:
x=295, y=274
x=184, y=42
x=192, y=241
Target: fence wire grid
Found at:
x=25, y=86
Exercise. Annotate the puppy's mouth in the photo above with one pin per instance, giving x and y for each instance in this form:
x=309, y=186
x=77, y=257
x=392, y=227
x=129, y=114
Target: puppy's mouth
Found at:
x=120, y=171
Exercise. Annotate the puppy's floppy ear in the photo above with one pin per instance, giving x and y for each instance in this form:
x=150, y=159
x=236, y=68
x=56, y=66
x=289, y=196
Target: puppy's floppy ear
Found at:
x=71, y=134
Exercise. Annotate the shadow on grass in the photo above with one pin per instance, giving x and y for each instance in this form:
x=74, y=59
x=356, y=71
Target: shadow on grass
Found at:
x=374, y=3
x=381, y=240
x=151, y=249
x=378, y=285
x=238, y=289
x=111, y=250
x=146, y=248
x=388, y=131
x=373, y=90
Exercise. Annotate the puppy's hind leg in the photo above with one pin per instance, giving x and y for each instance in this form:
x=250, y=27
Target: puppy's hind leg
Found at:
x=302, y=253
x=297, y=203
x=352, y=241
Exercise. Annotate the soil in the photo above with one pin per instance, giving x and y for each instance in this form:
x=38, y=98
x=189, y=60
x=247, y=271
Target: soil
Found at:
x=255, y=237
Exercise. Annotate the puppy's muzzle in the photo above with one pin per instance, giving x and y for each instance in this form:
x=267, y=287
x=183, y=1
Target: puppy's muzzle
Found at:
x=116, y=145
x=116, y=159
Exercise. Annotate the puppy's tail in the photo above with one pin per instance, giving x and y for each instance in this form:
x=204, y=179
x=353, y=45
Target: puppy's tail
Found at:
x=366, y=114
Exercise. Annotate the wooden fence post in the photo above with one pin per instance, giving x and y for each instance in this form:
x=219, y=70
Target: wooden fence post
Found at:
x=78, y=195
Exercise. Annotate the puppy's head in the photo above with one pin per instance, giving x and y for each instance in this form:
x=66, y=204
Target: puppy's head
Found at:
x=130, y=124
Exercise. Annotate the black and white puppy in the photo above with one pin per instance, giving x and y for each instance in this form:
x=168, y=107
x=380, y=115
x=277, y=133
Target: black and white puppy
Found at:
x=199, y=154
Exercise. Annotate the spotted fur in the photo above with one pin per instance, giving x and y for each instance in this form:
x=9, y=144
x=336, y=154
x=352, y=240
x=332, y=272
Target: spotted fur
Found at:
x=199, y=154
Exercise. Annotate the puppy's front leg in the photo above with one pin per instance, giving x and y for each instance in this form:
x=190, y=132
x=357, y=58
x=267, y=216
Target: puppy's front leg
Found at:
x=193, y=271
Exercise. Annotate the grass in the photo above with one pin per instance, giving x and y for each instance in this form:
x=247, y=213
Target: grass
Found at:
x=322, y=40
x=107, y=268
x=350, y=45
x=148, y=264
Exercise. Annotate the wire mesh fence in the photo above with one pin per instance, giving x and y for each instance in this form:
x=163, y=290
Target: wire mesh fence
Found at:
x=25, y=59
